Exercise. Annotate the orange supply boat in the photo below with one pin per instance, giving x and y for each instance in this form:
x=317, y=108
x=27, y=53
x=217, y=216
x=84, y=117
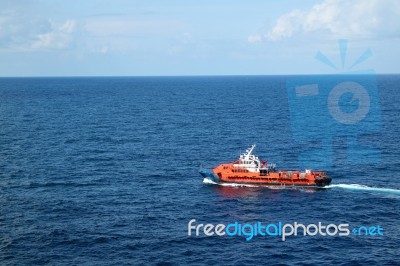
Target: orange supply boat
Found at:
x=249, y=170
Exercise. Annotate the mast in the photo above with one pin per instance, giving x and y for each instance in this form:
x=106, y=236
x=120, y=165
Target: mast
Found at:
x=249, y=151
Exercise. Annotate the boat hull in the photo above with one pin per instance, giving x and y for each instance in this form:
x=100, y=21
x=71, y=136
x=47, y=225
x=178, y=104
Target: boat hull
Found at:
x=283, y=184
x=273, y=179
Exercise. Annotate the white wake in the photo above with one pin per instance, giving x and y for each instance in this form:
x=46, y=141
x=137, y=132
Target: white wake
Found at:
x=226, y=184
x=365, y=188
x=209, y=181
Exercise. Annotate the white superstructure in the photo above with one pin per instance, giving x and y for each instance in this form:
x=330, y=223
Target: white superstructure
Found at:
x=248, y=160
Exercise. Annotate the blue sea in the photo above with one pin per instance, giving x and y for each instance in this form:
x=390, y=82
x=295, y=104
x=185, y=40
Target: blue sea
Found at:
x=104, y=171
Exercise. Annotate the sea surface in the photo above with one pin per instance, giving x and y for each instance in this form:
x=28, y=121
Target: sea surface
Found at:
x=104, y=171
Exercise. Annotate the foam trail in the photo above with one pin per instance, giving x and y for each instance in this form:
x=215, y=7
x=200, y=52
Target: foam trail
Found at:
x=366, y=188
x=209, y=181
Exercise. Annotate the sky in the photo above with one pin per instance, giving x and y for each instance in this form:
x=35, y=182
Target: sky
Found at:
x=208, y=37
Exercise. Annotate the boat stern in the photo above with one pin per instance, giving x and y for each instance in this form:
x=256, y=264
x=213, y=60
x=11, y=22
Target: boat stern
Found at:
x=323, y=181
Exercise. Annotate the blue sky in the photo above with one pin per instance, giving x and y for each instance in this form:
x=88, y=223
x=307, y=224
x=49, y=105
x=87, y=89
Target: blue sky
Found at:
x=135, y=38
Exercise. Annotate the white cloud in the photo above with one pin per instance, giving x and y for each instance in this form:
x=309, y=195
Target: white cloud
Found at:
x=122, y=34
x=20, y=32
x=185, y=38
x=125, y=26
x=58, y=38
x=254, y=38
x=356, y=19
x=101, y=50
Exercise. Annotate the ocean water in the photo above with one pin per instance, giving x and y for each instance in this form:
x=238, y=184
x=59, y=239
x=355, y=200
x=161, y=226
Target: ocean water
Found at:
x=104, y=171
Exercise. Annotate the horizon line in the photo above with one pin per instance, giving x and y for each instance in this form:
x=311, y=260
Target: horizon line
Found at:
x=194, y=75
